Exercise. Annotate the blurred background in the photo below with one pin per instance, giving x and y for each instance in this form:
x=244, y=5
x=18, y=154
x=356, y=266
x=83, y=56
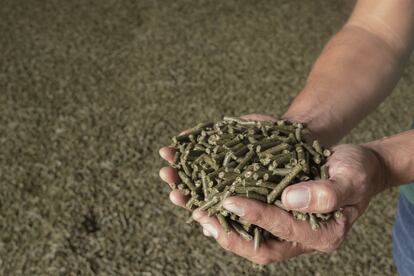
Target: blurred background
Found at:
x=90, y=90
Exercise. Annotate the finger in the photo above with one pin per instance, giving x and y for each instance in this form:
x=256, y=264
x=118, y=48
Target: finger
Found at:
x=322, y=196
x=169, y=175
x=273, y=219
x=258, y=117
x=269, y=251
x=178, y=198
x=281, y=224
x=167, y=153
x=229, y=241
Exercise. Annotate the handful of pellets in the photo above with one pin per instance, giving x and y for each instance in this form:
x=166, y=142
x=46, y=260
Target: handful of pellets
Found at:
x=257, y=160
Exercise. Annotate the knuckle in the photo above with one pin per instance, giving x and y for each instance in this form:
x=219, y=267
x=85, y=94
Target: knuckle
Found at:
x=327, y=198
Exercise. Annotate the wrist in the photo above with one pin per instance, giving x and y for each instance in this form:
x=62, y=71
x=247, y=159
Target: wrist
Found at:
x=383, y=176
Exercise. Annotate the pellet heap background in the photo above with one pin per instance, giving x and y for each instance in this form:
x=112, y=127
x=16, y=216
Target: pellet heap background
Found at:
x=89, y=90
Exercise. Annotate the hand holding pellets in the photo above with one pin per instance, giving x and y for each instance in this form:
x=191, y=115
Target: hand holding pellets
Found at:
x=257, y=160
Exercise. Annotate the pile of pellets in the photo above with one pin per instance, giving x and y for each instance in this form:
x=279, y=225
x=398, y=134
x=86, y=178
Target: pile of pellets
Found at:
x=257, y=160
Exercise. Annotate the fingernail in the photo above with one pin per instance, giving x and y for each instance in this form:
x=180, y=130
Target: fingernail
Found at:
x=237, y=210
x=173, y=198
x=206, y=233
x=210, y=229
x=161, y=174
x=298, y=198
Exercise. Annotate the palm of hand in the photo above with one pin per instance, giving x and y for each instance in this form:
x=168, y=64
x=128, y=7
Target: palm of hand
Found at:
x=355, y=177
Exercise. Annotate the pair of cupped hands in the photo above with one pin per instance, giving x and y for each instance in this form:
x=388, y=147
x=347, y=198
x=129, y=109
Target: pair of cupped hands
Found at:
x=355, y=176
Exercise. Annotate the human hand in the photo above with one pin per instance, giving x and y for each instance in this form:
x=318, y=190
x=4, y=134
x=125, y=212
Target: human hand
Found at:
x=356, y=175
x=354, y=178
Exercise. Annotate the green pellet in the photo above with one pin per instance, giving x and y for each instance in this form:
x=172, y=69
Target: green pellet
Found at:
x=227, y=175
x=317, y=147
x=235, y=141
x=190, y=203
x=302, y=159
x=313, y=222
x=299, y=215
x=223, y=223
x=261, y=175
x=281, y=171
x=266, y=184
x=177, y=157
x=183, y=189
x=283, y=184
x=315, y=155
x=324, y=172
x=257, y=238
x=275, y=149
x=326, y=153
x=281, y=159
x=211, y=162
x=245, y=190
x=245, y=160
x=197, y=183
x=240, y=152
x=239, y=229
x=339, y=213
x=204, y=183
x=298, y=134
x=186, y=168
x=219, y=157
x=225, y=183
x=209, y=204
x=187, y=181
x=180, y=138
x=263, y=147
x=227, y=158
x=324, y=216
x=237, y=147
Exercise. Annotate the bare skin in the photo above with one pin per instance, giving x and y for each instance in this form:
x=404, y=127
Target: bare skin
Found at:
x=357, y=69
x=370, y=51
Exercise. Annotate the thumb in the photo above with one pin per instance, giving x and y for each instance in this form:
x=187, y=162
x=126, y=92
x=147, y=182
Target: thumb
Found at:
x=315, y=196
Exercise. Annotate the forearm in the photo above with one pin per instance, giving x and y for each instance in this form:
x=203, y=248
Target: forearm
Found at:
x=397, y=155
x=356, y=71
x=353, y=75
